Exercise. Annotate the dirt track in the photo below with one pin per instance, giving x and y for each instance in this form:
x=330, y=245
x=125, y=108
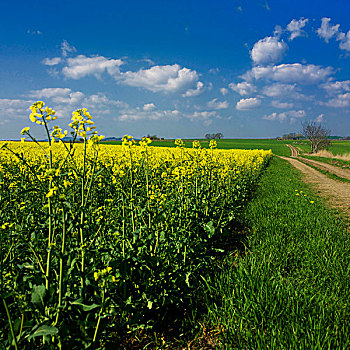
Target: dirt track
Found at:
x=337, y=192
x=341, y=172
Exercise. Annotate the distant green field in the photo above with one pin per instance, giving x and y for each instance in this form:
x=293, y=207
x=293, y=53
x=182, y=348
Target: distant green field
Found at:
x=336, y=147
x=277, y=147
x=340, y=147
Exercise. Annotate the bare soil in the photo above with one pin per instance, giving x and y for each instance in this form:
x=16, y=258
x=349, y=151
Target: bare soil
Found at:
x=341, y=172
x=337, y=192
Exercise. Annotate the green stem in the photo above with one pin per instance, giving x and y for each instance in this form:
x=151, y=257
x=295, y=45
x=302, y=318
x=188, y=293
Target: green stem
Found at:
x=82, y=219
x=99, y=316
x=10, y=322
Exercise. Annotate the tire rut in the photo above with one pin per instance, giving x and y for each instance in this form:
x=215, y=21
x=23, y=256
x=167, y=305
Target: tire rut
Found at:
x=336, y=192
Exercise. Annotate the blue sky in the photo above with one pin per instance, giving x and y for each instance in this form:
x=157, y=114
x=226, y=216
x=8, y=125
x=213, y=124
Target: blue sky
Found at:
x=178, y=68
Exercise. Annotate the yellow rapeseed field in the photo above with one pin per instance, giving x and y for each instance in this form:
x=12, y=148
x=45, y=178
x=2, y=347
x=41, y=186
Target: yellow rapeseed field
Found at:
x=97, y=234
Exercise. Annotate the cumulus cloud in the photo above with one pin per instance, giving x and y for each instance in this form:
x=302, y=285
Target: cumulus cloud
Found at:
x=244, y=88
x=290, y=73
x=292, y=115
x=224, y=91
x=295, y=28
x=58, y=95
x=278, y=89
x=194, y=92
x=248, y=103
x=13, y=108
x=205, y=116
x=141, y=114
x=275, y=116
x=149, y=107
x=282, y=105
x=340, y=101
x=66, y=48
x=51, y=61
x=268, y=50
x=345, y=41
x=333, y=87
x=326, y=31
x=82, y=66
x=168, y=78
x=215, y=104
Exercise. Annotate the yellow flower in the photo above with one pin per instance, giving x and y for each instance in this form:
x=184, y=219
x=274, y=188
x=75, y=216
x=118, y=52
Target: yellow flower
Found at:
x=32, y=117
x=312, y=202
x=25, y=130
x=96, y=276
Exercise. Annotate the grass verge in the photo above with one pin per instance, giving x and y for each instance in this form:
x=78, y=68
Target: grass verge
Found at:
x=332, y=161
x=289, y=288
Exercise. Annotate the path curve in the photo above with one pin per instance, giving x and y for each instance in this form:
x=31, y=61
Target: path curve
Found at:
x=294, y=151
x=337, y=192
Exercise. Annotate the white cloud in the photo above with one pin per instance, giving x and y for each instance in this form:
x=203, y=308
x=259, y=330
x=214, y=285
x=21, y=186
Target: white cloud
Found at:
x=169, y=78
x=81, y=66
x=275, y=116
x=284, y=115
x=194, y=92
x=295, y=28
x=215, y=104
x=224, y=91
x=290, y=73
x=149, y=107
x=141, y=114
x=333, y=87
x=14, y=108
x=340, y=101
x=345, y=41
x=296, y=114
x=58, y=95
x=319, y=118
x=278, y=89
x=248, y=103
x=205, y=116
x=34, y=32
x=66, y=48
x=101, y=104
x=282, y=105
x=326, y=31
x=51, y=61
x=244, y=88
x=268, y=50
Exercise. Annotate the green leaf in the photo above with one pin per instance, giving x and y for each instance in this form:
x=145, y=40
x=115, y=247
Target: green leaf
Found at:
x=209, y=227
x=38, y=294
x=85, y=307
x=44, y=330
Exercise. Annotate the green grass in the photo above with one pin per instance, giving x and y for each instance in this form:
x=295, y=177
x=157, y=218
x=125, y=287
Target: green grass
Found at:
x=277, y=147
x=290, y=289
x=340, y=147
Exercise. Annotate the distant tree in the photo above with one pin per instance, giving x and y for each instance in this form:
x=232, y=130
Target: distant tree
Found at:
x=216, y=136
x=318, y=135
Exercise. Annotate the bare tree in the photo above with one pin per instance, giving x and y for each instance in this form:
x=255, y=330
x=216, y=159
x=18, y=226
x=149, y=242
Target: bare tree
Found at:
x=318, y=135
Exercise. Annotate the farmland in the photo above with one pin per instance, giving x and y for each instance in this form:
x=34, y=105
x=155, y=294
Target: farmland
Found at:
x=131, y=245
x=99, y=238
